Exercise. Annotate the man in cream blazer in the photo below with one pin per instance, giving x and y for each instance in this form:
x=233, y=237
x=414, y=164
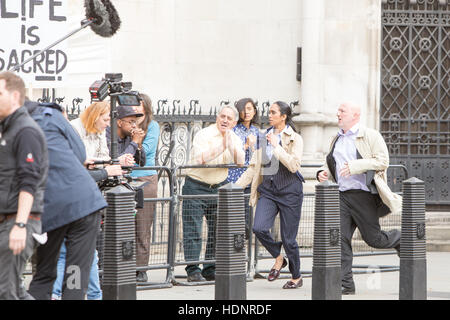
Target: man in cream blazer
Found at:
x=358, y=161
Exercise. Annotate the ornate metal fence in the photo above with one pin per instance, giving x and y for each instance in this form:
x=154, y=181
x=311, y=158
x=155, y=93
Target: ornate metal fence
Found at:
x=178, y=121
x=415, y=91
x=179, y=124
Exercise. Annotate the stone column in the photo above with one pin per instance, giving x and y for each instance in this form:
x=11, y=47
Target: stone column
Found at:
x=340, y=62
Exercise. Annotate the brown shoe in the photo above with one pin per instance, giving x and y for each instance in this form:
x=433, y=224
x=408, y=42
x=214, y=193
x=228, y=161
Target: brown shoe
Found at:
x=292, y=285
x=274, y=273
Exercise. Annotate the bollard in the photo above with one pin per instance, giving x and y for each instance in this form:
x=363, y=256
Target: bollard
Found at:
x=119, y=258
x=413, y=265
x=326, y=271
x=230, y=283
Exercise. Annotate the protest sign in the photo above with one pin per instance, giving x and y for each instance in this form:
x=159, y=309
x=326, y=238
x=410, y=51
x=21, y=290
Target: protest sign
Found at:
x=28, y=26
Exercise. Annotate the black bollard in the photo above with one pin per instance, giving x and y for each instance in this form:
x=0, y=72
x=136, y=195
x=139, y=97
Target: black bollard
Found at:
x=230, y=281
x=413, y=264
x=326, y=271
x=119, y=258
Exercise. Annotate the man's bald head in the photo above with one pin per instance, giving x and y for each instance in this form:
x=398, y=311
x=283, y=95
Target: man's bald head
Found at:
x=349, y=114
x=353, y=107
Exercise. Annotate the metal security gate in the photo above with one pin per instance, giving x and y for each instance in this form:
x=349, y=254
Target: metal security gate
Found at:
x=415, y=94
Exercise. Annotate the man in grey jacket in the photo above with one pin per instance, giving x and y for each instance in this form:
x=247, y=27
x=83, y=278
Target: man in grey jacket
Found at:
x=358, y=161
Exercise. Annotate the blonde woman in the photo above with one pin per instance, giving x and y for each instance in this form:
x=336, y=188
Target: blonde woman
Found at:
x=91, y=126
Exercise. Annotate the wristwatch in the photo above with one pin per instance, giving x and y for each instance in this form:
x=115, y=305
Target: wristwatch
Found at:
x=20, y=224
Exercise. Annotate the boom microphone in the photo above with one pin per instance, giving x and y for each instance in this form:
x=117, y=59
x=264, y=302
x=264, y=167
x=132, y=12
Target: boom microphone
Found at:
x=105, y=17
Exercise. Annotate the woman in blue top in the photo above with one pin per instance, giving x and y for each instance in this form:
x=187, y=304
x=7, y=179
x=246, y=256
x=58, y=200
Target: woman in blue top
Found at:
x=144, y=217
x=248, y=115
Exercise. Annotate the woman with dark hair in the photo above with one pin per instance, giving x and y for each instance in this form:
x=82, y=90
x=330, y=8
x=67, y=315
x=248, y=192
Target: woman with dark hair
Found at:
x=248, y=133
x=248, y=115
x=144, y=216
x=274, y=175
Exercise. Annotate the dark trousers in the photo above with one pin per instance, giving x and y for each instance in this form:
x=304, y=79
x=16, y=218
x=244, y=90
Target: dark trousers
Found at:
x=81, y=236
x=12, y=266
x=144, y=221
x=358, y=209
x=288, y=202
x=193, y=212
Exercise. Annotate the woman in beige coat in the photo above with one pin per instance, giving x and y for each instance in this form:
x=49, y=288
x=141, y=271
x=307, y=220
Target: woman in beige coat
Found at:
x=277, y=187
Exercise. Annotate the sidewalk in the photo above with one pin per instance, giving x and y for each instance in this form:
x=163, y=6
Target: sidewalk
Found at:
x=369, y=286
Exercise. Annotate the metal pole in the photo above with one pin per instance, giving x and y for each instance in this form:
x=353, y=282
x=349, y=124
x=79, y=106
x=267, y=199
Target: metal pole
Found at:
x=171, y=246
x=113, y=125
x=250, y=263
x=326, y=271
x=413, y=264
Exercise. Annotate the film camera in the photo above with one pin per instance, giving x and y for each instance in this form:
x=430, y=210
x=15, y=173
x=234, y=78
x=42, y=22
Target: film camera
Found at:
x=112, y=85
x=126, y=181
x=120, y=92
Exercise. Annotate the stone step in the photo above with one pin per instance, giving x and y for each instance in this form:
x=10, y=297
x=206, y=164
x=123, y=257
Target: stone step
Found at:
x=437, y=218
x=438, y=232
x=438, y=245
x=432, y=246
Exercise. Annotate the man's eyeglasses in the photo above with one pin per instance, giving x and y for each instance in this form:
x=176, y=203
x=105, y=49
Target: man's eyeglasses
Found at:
x=130, y=122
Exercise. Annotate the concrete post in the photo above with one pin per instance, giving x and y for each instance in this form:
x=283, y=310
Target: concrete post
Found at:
x=326, y=271
x=413, y=264
x=230, y=283
x=119, y=257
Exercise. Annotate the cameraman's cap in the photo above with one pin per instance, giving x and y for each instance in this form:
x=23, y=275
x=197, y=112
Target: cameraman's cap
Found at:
x=127, y=111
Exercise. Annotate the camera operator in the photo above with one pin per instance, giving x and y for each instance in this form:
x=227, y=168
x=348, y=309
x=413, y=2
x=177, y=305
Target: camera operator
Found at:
x=129, y=136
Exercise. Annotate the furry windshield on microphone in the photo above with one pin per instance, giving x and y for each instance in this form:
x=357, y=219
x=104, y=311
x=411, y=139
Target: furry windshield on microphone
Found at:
x=107, y=20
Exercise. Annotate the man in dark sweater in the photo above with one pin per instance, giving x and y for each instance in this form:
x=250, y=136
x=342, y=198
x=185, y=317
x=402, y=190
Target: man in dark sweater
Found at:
x=23, y=174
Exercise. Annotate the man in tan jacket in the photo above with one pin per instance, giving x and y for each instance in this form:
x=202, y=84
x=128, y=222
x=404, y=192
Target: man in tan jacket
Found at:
x=358, y=161
x=216, y=144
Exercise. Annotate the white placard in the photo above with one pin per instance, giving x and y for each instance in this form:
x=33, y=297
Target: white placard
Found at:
x=28, y=26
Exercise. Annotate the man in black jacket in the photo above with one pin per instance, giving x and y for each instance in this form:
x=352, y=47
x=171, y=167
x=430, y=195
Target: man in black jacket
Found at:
x=23, y=174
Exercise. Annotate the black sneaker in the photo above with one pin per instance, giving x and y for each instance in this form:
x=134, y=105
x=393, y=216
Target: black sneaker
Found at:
x=210, y=277
x=195, y=277
x=141, y=276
